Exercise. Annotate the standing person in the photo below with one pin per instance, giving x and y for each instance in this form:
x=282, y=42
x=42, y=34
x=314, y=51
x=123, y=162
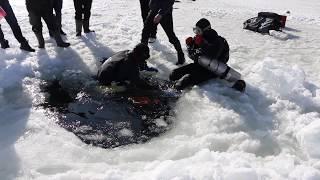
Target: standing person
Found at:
x=83, y=13
x=13, y=23
x=57, y=7
x=161, y=12
x=144, y=5
x=44, y=9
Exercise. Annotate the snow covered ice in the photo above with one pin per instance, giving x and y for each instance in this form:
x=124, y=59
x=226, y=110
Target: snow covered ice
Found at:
x=272, y=131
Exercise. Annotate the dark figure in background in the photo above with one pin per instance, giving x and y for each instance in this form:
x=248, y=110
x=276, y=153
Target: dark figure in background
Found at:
x=124, y=66
x=57, y=7
x=13, y=23
x=43, y=9
x=161, y=12
x=83, y=13
x=144, y=5
x=209, y=46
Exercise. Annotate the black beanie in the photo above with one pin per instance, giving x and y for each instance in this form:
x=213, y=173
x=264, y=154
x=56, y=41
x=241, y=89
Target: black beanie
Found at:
x=203, y=24
x=141, y=49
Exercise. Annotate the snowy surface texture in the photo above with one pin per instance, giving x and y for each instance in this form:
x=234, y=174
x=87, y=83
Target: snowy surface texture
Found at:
x=270, y=132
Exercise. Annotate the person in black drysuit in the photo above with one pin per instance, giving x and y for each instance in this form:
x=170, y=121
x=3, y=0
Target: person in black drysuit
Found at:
x=124, y=66
x=44, y=9
x=83, y=13
x=144, y=5
x=13, y=23
x=161, y=12
x=207, y=43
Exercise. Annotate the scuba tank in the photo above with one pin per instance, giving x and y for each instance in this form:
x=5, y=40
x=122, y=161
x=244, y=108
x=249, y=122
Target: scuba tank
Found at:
x=220, y=69
x=223, y=71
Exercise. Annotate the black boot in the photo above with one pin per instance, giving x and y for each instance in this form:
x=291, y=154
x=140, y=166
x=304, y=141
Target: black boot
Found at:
x=4, y=44
x=40, y=39
x=25, y=46
x=181, y=58
x=86, y=27
x=59, y=41
x=239, y=85
x=62, y=32
x=78, y=27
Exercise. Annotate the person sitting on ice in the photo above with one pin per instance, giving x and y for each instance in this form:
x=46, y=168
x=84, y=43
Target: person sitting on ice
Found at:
x=124, y=67
x=210, y=53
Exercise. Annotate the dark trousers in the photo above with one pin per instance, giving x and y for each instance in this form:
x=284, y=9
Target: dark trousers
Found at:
x=83, y=9
x=191, y=74
x=12, y=21
x=166, y=23
x=144, y=5
x=57, y=6
x=35, y=21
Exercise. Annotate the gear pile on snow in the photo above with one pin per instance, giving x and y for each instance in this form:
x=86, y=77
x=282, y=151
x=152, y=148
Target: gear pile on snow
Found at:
x=264, y=22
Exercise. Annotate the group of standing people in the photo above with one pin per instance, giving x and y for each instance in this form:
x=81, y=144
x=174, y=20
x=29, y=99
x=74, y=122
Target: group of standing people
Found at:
x=50, y=12
x=209, y=51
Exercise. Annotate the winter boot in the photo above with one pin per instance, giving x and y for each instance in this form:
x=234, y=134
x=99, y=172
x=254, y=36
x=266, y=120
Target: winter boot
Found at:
x=4, y=44
x=59, y=41
x=78, y=27
x=62, y=32
x=86, y=27
x=181, y=58
x=40, y=39
x=25, y=46
x=239, y=85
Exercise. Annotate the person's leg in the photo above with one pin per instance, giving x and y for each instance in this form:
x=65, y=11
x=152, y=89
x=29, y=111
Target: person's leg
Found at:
x=12, y=21
x=178, y=73
x=78, y=16
x=167, y=25
x=197, y=76
x=3, y=42
x=57, y=6
x=35, y=21
x=50, y=21
x=144, y=6
x=148, y=27
x=87, y=15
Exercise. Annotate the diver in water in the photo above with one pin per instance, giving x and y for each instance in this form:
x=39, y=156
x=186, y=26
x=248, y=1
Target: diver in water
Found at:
x=124, y=67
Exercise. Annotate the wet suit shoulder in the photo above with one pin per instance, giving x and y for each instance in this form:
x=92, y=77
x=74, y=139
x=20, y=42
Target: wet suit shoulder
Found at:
x=119, y=68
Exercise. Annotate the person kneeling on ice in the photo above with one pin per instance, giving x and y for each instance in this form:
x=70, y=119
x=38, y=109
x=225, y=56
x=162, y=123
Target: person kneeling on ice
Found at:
x=124, y=66
x=210, y=53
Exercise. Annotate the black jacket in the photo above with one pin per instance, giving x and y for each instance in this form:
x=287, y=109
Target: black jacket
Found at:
x=163, y=7
x=119, y=68
x=215, y=46
x=41, y=6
